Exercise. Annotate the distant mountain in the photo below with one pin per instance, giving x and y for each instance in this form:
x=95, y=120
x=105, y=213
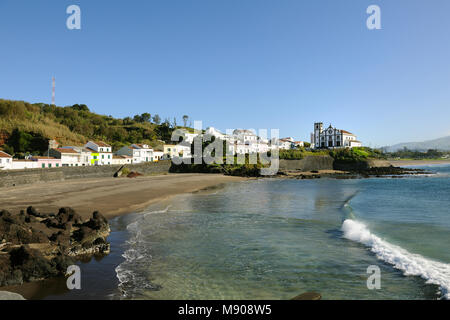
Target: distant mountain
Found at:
x=442, y=144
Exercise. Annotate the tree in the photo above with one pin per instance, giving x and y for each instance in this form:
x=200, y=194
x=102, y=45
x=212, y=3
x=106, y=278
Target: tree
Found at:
x=80, y=107
x=146, y=117
x=127, y=121
x=20, y=140
x=157, y=119
x=185, y=120
x=8, y=149
x=137, y=118
x=164, y=131
x=174, y=122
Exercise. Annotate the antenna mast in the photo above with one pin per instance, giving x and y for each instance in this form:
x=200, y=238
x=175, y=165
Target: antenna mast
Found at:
x=53, y=91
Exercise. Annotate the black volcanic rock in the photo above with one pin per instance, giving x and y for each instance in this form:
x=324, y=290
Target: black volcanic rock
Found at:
x=35, y=246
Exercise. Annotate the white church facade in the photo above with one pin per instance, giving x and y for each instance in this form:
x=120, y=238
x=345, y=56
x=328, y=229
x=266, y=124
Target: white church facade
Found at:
x=332, y=138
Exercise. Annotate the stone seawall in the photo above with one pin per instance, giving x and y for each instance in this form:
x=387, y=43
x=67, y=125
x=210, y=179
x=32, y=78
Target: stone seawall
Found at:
x=309, y=163
x=12, y=178
x=361, y=165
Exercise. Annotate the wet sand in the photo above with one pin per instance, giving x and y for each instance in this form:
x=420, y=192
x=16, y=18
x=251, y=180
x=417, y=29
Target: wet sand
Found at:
x=110, y=196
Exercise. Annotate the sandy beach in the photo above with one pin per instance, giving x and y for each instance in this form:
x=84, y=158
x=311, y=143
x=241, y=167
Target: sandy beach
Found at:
x=402, y=163
x=112, y=197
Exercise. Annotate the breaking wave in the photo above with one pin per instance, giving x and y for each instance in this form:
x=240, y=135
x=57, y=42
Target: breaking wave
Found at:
x=410, y=264
x=132, y=273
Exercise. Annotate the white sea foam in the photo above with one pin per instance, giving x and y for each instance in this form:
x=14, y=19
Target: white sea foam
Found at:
x=433, y=272
x=129, y=272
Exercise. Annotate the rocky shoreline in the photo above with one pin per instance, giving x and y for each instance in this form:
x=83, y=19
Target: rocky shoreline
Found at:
x=36, y=246
x=378, y=172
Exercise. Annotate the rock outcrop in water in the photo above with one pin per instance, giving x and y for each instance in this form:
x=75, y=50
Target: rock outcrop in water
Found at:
x=36, y=246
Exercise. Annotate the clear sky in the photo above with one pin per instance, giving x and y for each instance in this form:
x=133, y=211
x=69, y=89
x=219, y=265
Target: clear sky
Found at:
x=239, y=63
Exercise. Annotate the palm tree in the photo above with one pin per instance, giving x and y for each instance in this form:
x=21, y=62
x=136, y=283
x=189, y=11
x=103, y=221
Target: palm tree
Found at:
x=185, y=120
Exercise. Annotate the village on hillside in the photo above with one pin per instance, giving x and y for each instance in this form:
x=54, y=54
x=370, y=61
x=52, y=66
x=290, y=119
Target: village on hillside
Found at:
x=98, y=153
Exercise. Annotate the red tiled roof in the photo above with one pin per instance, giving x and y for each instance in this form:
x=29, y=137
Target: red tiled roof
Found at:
x=62, y=150
x=4, y=155
x=43, y=158
x=346, y=132
x=102, y=144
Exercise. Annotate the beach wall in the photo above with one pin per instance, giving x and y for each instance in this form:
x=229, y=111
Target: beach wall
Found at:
x=309, y=163
x=31, y=176
x=361, y=165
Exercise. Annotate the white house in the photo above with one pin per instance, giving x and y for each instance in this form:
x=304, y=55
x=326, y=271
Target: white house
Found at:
x=298, y=144
x=101, y=152
x=172, y=151
x=216, y=133
x=6, y=161
x=245, y=136
x=332, y=138
x=189, y=137
x=145, y=151
x=138, y=152
x=85, y=154
x=20, y=164
x=285, y=143
x=69, y=157
x=263, y=146
x=158, y=155
x=121, y=159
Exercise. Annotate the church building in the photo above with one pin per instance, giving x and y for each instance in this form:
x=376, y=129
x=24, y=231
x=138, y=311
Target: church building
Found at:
x=332, y=138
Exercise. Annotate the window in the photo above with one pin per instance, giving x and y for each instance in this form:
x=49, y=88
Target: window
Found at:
x=103, y=156
x=49, y=165
x=57, y=165
x=109, y=156
x=43, y=165
x=95, y=157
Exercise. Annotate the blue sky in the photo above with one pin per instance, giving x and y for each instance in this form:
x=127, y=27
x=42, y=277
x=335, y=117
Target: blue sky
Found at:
x=239, y=63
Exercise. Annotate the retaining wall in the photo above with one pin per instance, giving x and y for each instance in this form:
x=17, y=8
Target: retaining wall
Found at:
x=30, y=176
x=309, y=163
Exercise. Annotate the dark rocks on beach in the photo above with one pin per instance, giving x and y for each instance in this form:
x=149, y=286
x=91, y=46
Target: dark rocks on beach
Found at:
x=36, y=246
x=133, y=174
x=394, y=172
x=308, y=296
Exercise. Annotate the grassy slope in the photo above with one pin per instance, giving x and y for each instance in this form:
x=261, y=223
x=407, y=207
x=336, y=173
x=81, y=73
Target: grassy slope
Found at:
x=45, y=127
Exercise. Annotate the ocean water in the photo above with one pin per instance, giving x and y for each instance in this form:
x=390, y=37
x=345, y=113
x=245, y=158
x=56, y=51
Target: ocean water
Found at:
x=275, y=239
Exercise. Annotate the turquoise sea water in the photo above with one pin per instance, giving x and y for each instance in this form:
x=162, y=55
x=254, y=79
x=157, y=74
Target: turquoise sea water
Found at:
x=275, y=239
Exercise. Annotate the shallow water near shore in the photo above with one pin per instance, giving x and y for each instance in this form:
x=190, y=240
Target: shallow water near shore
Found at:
x=275, y=239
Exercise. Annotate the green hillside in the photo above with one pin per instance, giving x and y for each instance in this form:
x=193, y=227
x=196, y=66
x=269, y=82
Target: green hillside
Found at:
x=26, y=127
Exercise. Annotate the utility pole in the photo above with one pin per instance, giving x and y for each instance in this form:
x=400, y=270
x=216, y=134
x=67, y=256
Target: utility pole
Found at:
x=53, y=91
